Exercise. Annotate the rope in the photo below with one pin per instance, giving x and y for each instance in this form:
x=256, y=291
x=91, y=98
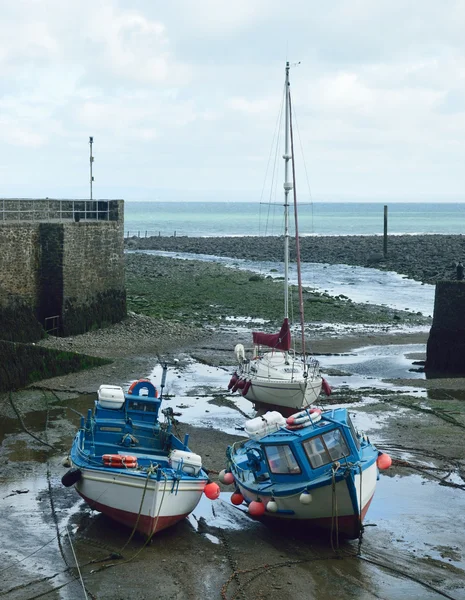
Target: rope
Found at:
x=24, y=426
x=150, y=470
x=360, y=525
x=334, y=510
x=77, y=565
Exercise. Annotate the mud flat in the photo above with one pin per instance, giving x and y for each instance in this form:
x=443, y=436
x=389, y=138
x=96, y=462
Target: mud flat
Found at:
x=220, y=552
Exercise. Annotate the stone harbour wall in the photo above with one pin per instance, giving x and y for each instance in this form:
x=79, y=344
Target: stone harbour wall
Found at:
x=71, y=269
x=445, y=351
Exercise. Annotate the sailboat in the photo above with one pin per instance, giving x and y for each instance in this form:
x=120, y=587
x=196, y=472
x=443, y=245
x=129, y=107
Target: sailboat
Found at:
x=275, y=374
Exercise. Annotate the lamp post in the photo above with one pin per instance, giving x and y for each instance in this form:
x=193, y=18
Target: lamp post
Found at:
x=91, y=160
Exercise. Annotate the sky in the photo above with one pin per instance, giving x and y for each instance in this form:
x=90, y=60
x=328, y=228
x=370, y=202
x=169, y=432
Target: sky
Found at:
x=183, y=98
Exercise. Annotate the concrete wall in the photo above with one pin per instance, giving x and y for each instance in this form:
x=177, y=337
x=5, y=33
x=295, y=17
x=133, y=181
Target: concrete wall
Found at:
x=71, y=267
x=445, y=351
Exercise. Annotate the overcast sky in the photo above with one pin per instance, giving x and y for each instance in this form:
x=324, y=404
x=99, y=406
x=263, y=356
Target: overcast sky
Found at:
x=183, y=97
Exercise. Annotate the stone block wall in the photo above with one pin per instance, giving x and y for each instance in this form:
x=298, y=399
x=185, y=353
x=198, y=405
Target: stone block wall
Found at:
x=445, y=351
x=19, y=277
x=93, y=275
x=71, y=267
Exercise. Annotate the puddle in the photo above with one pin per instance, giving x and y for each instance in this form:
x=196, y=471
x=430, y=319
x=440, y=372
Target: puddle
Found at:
x=411, y=510
x=378, y=363
x=221, y=513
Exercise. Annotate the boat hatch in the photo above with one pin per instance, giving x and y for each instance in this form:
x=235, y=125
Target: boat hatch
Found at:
x=326, y=448
x=282, y=460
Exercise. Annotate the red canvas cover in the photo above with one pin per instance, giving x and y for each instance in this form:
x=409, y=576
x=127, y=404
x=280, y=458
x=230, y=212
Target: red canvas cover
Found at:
x=278, y=341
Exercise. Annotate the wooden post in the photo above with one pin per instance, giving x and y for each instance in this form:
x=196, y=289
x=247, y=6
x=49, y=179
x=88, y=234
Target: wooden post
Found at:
x=385, y=230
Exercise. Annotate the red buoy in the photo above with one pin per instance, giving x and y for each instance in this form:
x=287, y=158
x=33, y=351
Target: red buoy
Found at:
x=212, y=490
x=326, y=387
x=384, y=461
x=256, y=508
x=233, y=380
x=237, y=498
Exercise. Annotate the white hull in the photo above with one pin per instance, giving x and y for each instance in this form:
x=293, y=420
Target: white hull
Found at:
x=293, y=395
x=120, y=495
x=281, y=380
x=326, y=505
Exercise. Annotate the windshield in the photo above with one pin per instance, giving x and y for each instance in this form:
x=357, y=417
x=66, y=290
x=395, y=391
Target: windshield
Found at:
x=281, y=459
x=326, y=448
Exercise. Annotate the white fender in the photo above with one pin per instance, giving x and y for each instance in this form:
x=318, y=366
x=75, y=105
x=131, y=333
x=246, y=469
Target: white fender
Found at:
x=240, y=352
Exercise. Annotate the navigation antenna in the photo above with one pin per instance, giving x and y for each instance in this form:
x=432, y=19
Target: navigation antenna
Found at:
x=91, y=160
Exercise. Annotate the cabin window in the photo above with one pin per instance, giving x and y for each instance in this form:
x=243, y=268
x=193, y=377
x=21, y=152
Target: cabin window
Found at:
x=281, y=460
x=143, y=406
x=326, y=448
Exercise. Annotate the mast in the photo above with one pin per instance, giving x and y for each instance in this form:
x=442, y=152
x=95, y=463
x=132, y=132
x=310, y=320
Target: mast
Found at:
x=297, y=240
x=288, y=185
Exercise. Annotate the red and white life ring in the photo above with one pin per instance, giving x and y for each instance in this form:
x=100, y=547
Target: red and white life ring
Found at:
x=119, y=461
x=143, y=383
x=303, y=418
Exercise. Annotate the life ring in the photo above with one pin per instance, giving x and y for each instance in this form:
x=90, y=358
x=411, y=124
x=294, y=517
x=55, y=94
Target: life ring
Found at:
x=303, y=418
x=140, y=384
x=71, y=477
x=119, y=460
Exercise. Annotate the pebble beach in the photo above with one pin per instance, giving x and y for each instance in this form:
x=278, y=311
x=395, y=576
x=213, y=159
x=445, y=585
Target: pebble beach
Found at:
x=425, y=258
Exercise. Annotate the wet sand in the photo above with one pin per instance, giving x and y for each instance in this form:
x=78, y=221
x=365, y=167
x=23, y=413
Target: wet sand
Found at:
x=219, y=552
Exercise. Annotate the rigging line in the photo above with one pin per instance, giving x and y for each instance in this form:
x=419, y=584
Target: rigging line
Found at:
x=77, y=565
x=273, y=148
x=305, y=168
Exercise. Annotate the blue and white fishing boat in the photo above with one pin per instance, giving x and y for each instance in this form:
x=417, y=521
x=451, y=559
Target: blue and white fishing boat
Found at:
x=129, y=466
x=312, y=467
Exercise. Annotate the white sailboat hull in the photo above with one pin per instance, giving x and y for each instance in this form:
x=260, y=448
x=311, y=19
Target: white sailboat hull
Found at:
x=278, y=380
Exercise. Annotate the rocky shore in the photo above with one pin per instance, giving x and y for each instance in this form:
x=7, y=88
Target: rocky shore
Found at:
x=426, y=258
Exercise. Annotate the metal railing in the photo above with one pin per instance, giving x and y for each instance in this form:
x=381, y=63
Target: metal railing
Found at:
x=21, y=209
x=52, y=325
x=141, y=234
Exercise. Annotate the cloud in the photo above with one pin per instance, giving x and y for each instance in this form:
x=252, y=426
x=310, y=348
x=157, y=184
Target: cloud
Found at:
x=190, y=92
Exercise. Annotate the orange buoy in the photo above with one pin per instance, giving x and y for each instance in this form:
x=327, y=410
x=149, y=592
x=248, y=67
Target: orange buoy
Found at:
x=237, y=498
x=384, y=461
x=212, y=490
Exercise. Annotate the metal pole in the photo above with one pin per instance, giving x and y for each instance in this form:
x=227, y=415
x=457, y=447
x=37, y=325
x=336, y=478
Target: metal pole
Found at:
x=385, y=230
x=288, y=185
x=91, y=160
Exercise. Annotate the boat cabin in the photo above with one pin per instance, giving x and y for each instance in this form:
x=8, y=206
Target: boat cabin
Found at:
x=288, y=455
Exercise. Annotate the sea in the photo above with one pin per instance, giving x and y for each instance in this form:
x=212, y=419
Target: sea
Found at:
x=199, y=219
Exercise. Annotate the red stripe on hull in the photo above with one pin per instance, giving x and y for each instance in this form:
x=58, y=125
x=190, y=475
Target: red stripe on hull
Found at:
x=347, y=525
x=146, y=525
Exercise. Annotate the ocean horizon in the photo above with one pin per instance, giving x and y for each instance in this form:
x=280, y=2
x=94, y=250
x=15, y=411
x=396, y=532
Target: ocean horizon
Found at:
x=219, y=219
